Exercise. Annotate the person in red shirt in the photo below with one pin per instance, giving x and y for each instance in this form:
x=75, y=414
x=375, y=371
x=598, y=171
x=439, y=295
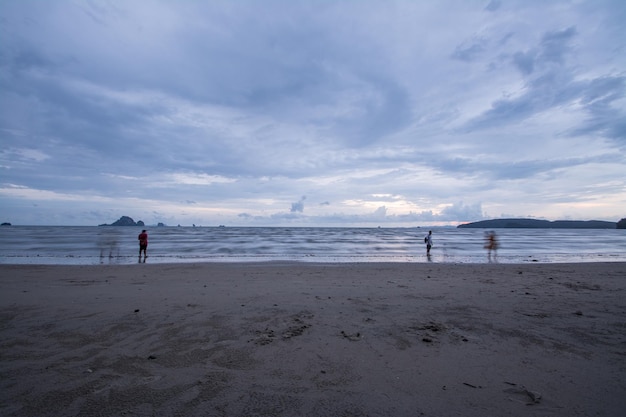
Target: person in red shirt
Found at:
x=143, y=243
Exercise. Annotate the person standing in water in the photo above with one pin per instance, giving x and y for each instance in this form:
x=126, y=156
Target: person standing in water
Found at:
x=143, y=244
x=429, y=241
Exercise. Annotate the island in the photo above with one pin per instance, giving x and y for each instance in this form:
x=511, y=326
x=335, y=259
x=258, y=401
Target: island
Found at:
x=539, y=224
x=125, y=221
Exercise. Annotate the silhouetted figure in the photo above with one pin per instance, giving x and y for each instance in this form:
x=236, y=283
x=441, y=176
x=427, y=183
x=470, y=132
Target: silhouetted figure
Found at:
x=429, y=241
x=143, y=244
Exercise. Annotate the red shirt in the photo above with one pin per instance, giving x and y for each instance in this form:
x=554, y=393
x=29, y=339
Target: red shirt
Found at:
x=143, y=238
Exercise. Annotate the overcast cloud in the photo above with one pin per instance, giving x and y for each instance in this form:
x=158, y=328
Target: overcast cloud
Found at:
x=320, y=112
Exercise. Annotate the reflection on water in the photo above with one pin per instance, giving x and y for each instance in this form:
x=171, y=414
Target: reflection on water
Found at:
x=119, y=245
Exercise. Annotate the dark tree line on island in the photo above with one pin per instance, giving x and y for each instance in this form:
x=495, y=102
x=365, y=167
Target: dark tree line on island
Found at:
x=544, y=224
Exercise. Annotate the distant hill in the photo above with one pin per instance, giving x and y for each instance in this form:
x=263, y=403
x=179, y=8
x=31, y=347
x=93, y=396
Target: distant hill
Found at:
x=539, y=224
x=125, y=221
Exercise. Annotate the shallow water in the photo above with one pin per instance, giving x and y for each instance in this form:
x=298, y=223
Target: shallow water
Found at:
x=119, y=245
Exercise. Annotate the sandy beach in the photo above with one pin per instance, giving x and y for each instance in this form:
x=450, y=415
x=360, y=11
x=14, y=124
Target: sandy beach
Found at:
x=312, y=339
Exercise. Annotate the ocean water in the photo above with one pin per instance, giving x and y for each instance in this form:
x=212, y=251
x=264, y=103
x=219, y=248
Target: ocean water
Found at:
x=118, y=245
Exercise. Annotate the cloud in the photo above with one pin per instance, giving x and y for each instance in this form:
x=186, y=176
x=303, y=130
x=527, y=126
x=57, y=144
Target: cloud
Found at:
x=493, y=5
x=525, y=62
x=555, y=44
x=469, y=52
x=550, y=83
x=471, y=212
x=602, y=99
x=298, y=206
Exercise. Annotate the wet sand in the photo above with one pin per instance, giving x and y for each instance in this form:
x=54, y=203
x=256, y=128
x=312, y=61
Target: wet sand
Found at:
x=311, y=339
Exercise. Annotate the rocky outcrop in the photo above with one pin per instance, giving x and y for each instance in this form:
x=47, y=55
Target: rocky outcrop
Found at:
x=621, y=224
x=125, y=221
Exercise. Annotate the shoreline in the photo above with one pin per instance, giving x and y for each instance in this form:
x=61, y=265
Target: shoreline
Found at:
x=310, y=260
x=284, y=338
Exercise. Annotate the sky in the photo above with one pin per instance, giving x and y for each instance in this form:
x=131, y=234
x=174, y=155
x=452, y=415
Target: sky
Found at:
x=311, y=112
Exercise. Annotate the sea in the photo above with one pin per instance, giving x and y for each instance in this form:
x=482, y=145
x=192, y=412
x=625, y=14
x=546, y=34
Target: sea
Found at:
x=87, y=245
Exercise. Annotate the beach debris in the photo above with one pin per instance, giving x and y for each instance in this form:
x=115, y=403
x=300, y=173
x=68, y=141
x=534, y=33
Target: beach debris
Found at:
x=537, y=315
x=581, y=286
x=136, y=310
x=295, y=327
x=351, y=337
x=265, y=336
x=472, y=385
x=294, y=331
x=530, y=397
x=534, y=396
x=428, y=331
x=435, y=327
x=151, y=357
x=579, y=313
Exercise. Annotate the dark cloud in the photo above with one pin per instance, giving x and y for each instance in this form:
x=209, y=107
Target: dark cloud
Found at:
x=555, y=45
x=525, y=62
x=469, y=52
x=551, y=83
x=605, y=117
x=298, y=206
